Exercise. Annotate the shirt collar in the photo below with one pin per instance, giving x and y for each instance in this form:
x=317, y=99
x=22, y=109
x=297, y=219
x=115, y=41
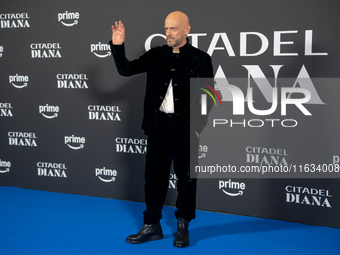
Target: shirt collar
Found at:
x=182, y=49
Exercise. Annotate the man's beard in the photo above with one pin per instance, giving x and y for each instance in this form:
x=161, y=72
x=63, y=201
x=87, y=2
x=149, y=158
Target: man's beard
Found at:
x=173, y=43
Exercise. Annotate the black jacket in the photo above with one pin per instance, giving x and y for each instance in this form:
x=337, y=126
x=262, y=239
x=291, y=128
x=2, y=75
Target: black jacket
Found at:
x=162, y=65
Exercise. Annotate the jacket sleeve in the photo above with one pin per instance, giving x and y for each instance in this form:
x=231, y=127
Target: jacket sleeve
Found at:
x=199, y=121
x=126, y=67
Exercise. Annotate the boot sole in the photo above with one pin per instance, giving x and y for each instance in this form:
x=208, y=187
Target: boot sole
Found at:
x=150, y=238
x=181, y=245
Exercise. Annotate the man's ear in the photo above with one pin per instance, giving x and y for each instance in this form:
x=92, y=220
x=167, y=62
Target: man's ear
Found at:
x=187, y=29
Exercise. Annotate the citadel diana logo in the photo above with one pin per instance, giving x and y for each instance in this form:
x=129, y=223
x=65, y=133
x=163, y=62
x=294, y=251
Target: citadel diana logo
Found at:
x=48, y=169
x=6, y=110
x=14, y=20
x=45, y=50
x=72, y=81
x=131, y=145
x=26, y=139
x=104, y=112
x=308, y=196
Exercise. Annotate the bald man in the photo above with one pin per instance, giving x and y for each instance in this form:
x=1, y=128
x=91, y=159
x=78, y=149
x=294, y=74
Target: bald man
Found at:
x=167, y=121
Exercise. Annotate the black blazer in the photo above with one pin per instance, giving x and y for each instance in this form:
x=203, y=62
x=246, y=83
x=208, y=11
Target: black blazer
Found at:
x=162, y=65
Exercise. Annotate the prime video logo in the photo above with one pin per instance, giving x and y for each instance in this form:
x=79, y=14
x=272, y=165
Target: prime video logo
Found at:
x=74, y=142
x=101, y=47
x=19, y=81
x=68, y=16
x=110, y=174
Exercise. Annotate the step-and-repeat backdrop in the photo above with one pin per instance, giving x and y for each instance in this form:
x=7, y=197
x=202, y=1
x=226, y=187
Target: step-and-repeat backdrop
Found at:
x=69, y=123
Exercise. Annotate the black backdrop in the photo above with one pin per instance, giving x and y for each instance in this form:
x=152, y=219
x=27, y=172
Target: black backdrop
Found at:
x=70, y=123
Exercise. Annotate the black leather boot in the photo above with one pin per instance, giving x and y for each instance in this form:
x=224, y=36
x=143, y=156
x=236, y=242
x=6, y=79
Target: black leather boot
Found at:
x=148, y=232
x=182, y=236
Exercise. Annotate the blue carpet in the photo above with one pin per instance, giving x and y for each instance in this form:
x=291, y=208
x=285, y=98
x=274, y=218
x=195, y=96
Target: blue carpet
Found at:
x=39, y=222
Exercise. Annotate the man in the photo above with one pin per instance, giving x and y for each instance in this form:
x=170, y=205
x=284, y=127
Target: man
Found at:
x=167, y=121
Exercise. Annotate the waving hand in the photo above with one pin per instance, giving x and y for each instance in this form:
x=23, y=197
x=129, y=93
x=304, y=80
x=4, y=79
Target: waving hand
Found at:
x=118, y=33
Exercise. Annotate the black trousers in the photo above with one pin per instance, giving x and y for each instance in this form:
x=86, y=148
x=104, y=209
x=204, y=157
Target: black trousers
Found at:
x=169, y=145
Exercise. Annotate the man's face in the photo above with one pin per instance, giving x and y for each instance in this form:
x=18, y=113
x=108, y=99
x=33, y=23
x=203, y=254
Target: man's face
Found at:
x=175, y=32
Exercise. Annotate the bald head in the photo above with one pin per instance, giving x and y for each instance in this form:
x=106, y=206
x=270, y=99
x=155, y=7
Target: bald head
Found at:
x=177, y=28
x=178, y=16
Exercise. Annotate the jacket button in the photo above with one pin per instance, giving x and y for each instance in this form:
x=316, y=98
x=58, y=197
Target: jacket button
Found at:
x=161, y=97
x=173, y=70
x=166, y=84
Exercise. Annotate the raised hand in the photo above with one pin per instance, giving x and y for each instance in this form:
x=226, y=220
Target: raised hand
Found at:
x=118, y=33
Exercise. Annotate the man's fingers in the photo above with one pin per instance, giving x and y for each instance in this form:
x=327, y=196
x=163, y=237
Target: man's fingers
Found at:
x=121, y=26
x=115, y=26
x=118, y=26
x=118, y=33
